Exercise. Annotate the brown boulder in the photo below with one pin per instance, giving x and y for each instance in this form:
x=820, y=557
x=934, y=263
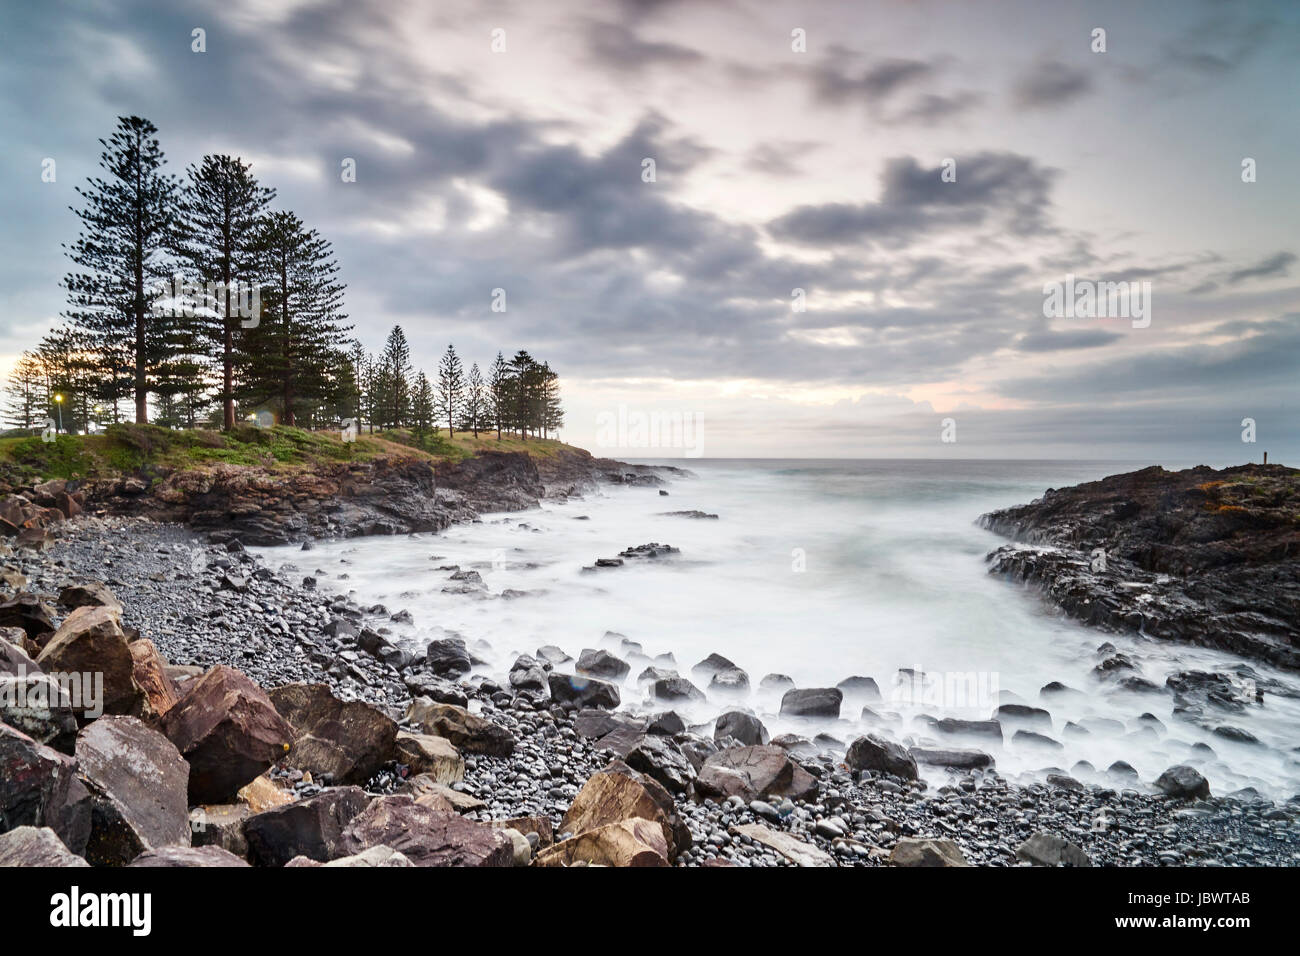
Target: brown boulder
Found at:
x=88, y=594
x=428, y=792
x=312, y=828
x=138, y=781
x=90, y=641
x=426, y=837
x=426, y=754
x=29, y=612
x=158, y=691
x=228, y=730
x=220, y=825
x=469, y=732
x=539, y=825
x=39, y=787
x=634, y=842
x=754, y=773
x=350, y=740
x=620, y=793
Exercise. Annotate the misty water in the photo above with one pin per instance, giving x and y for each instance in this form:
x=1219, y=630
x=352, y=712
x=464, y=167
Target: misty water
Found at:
x=819, y=570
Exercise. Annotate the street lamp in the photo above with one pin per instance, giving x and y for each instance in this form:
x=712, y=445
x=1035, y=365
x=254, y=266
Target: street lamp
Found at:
x=58, y=403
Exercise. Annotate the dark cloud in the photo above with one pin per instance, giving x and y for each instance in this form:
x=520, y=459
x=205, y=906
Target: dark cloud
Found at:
x=1050, y=84
x=619, y=47
x=1046, y=340
x=915, y=201
x=835, y=80
x=1278, y=264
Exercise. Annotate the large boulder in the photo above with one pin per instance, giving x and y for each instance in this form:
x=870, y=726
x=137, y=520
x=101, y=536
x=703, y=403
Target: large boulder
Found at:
x=448, y=657
x=634, y=842
x=879, y=755
x=39, y=706
x=229, y=732
x=620, y=793
x=222, y=825
x=35, y=846
x=598, y=663
x=970, y=728
x=528, y=674
x=955, y=759
x=88, y=594
x=90, y=641
x=428, y=792
x=14, y=659
x=662, y=759
x=425, y=836
x=468, y=732
x=675, y=689
x=812, y=702
x=138, y=781
x=742, y=727
x=348, y=740
x=1183, y=782
x=426, y=754
x=579, y=692
x=30, y=613
x=158, y=690
x=312, y=828
x=754, y=773
x=39, y=787
x=183, y=857
x=912, y=852
x=1048, y=849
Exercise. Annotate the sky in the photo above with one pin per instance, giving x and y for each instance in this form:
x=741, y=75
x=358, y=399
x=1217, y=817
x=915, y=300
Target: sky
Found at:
x=922, y=172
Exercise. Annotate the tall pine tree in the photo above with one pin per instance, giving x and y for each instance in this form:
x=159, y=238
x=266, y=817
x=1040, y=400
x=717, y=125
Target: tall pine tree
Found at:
x=451, y=388
x=221, y=208
x=128, y=223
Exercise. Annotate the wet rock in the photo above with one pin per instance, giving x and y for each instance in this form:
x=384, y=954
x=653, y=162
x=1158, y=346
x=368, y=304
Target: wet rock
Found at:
x=859, y=688
x=577, y=691
x=730, y=680
x=527, y=674
x=221, y=825
x=776, y=682
x=676, y=689
x=553, y=655
x=448, y=657
x=426, y=754
x=1031, y=740
x=973, y=728
x=711, y=665
x=88, y=594
x=661, y=758
x=426, y=837
x=1048, y=849
x=138, y=783
x=742, y=727
x=228, y=731
x=879, y=755
x=37, y=705
x=1023, y=715
x=754, y=773
x=812, y=702
x=956, y=759
x=428, y=792
x=312, y=827
x=30, y=613
x=348, y=740
x=1183, y=782
x=468, y=732
x=666, y=724
x=602, y=664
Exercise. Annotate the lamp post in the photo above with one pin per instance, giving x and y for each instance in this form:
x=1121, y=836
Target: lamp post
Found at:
x=58, y=403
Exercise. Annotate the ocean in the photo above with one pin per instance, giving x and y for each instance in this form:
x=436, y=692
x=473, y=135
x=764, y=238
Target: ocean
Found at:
x=818, y=570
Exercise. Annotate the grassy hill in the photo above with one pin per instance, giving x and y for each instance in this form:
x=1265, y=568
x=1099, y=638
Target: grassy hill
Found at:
x=126, y=448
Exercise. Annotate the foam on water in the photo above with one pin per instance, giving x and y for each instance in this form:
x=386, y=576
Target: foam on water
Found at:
x=893, y=577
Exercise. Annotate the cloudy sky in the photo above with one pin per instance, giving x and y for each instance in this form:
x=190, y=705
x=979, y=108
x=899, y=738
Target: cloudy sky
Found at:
x=776, y=169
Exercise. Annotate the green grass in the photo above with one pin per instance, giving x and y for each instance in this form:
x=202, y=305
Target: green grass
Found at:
x=126, y=448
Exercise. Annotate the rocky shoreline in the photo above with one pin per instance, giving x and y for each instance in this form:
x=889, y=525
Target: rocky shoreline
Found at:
x=1200, y=556
x=353, y=753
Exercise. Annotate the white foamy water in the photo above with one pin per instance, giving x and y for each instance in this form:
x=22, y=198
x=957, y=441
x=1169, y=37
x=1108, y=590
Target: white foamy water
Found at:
x=893, y=577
